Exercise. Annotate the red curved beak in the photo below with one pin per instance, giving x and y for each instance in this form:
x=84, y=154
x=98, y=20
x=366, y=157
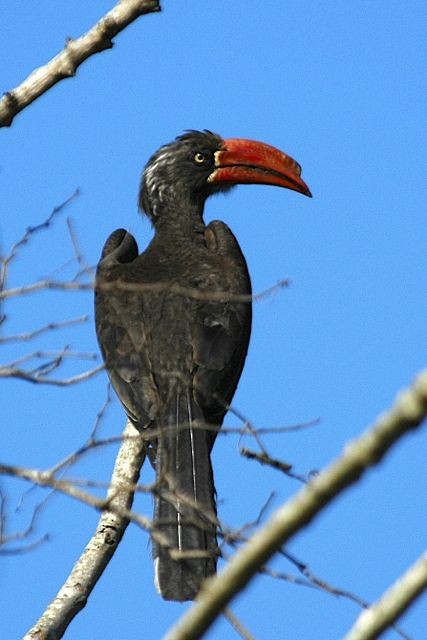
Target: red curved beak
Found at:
x=243, y=161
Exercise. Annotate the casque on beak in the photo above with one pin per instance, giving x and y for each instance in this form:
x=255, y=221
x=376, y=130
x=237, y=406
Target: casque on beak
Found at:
x=243, y=161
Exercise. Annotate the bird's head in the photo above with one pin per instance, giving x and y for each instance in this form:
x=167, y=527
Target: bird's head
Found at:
x=200, y=163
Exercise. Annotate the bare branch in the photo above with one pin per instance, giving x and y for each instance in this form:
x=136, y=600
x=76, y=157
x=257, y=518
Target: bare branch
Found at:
x=2, y=516
x=25, y=548
x=56, y=357
x=18, y=536
x=381, y=615
x=408, y=412
x=157, y=287
x=41, y=378
x=94, y=443
x=101, y=414
x=44, y=285
x=66, y=63
x=29, y=232
x=287, y=429
x=263, y=458
x=309, y=580
x=85, y=268
x=69, y=487
x=237, y=625
x=319, y=583
x=51, y=326
x=314, y=581
x=73, y=595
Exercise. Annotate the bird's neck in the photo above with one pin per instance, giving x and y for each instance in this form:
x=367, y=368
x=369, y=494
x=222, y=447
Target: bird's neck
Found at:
x=179, y=222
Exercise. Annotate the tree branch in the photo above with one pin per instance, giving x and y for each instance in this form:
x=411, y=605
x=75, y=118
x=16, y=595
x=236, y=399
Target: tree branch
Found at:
x=29, y=232
x=51, y=326
x=73, y=595
x=381, y=615
x=408, y=412
x=21, y=374
x=65, y=64
x=187, y=292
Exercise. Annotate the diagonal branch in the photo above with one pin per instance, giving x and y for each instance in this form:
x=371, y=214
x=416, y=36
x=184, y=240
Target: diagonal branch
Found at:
x=409, y=411
x=65, y=64
x=381, y=615
x=29, y=232
x=51, y=326
x=73, y=595
x=21, y=374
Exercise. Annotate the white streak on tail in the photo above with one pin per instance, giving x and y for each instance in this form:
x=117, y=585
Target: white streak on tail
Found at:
x=177, y=503
x=193, y=451
x=156, y=575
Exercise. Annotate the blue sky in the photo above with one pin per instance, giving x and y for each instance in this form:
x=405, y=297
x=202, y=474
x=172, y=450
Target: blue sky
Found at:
x=337, y=85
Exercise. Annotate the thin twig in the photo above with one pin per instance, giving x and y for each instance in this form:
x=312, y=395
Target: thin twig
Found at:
x=18, y=536
x=264, y=458
x=51, y=326
x=321, y=584
x=54, y=355
x=237, y=625
x=29, y=232
x=274, y=463
x=84, y=267
x=101, y=413
x=20, y=374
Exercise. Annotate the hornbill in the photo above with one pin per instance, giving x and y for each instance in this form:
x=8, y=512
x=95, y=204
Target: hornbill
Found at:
x=173, y=324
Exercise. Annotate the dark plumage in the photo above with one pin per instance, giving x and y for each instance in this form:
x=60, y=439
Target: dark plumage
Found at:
x=173, y=345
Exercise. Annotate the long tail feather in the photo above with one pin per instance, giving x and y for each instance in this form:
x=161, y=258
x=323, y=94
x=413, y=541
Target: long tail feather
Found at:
x=185, y=510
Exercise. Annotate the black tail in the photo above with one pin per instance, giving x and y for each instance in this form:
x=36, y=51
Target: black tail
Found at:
x=185, y=510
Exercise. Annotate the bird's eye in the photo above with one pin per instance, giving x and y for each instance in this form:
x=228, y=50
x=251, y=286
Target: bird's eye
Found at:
x=199, y=158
